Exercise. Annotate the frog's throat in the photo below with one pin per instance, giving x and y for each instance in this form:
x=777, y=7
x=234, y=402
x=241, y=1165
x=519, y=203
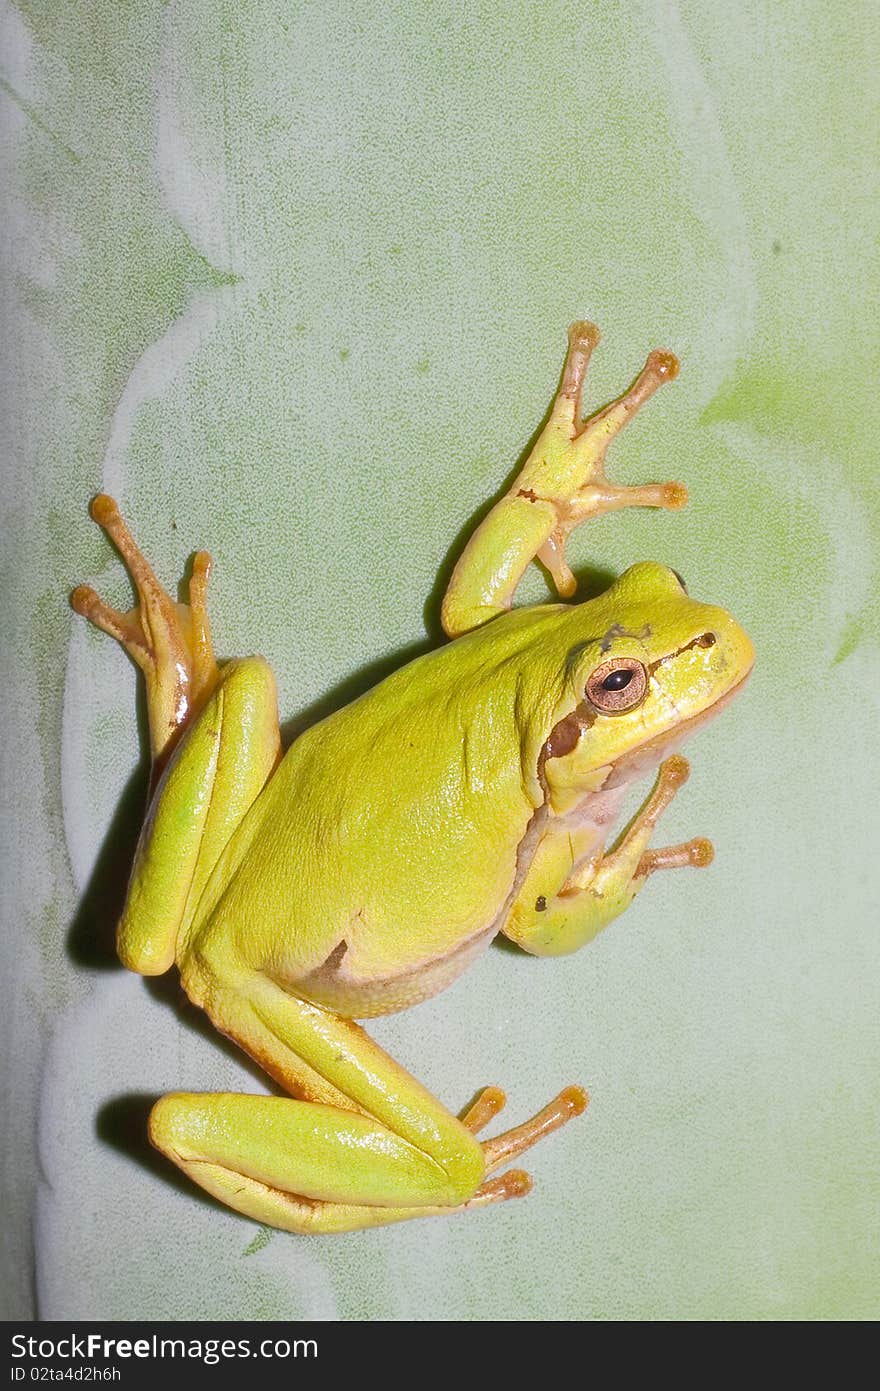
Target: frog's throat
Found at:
x=636, y=762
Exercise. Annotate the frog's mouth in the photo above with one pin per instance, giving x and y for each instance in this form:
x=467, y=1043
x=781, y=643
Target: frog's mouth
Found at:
x=644, y=757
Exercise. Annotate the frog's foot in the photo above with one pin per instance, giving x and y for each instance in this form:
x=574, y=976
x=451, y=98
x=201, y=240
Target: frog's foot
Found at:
x=170, y=642
x=490, y=1102
x=561, y=485
x=570, y=1102
x=694, y=854
x=568, y=470
x=619, y=875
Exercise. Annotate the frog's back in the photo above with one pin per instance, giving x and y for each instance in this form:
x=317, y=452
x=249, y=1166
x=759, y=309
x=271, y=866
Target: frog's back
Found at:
x=382, y=854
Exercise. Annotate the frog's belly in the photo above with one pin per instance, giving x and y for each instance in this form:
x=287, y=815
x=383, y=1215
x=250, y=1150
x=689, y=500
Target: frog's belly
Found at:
x=363, y=999
x=334, y=984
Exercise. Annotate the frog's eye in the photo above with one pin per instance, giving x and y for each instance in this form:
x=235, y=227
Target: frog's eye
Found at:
x=617, y=686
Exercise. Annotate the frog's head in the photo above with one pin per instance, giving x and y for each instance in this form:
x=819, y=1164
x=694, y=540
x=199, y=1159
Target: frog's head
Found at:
x=646, y=666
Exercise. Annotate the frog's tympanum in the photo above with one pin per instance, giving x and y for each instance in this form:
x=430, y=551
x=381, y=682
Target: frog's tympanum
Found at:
x=472, y=792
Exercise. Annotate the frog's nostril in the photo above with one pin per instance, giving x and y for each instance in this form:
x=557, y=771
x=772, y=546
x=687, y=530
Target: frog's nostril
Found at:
x=707, y=640
x=680, y=579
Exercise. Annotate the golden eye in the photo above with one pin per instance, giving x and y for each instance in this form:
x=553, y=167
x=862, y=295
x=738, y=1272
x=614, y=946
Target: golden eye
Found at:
x=617, y=686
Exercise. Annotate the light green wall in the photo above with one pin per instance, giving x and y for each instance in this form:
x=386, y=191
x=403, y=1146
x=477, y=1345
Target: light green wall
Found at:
x=293, y=281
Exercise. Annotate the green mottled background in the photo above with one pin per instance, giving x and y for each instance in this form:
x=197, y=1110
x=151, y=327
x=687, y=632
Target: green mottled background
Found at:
x=292, y=280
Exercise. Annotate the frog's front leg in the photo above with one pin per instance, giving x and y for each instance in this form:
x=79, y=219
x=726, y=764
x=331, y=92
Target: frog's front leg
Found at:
x=561, y=485
x=561, y=905
x=368, y=1146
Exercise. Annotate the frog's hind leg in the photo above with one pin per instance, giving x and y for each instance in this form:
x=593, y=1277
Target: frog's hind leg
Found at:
x=368, y=1145
x=170, y=642
x=250, y=1151
x=216, y=774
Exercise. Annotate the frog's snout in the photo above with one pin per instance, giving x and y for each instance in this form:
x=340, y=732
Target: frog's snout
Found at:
x=734, y=651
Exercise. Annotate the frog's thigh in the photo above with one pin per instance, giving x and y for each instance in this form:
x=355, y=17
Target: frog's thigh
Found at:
x=304, y=1167
x=215, y=775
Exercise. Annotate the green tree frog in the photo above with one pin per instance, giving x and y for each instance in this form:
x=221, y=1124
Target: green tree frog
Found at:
x=472, y=792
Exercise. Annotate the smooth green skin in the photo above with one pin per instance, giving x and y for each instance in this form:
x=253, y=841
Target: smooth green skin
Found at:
x=395, y=838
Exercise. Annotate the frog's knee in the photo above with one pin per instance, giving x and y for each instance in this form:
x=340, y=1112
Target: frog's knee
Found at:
x=248, y=711
x=248, y=681
x=242, y=672
x=171, y=1122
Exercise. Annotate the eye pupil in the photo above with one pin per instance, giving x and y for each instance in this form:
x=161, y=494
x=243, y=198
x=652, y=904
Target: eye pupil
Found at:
x=617, y=680
x=617, y=686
